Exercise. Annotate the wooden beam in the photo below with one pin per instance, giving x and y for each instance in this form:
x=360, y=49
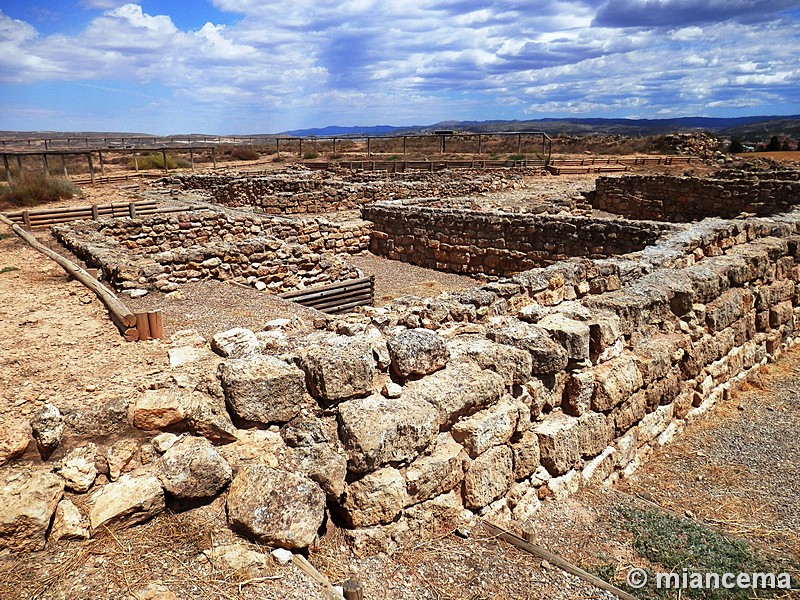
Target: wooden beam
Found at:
x=556, y=560
x=117, y=309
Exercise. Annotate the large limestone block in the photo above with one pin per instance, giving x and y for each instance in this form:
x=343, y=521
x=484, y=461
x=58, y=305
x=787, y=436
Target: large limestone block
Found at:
x=595, y=432
x=489, y=427
x=459, y=390
x=729, y=307
x=263, y=389
x=235, y=343
x=489, y=477
x=571, y=334
x=417, y=352
x=338, y=369
x=28, y=504
x=558, y=442
x=615, y=381
x=131, y=500
x=375, y=430
x=376, y=498
x=514, y=365
x=275, y=507
x=157, y=409
x=547, y=355
x=78, y=468
x=527, y=456
x=191, y=469
x=437, y=471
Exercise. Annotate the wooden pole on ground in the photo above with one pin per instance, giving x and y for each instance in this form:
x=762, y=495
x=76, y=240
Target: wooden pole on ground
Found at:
x=300, y=561
x=155, y=324
x=143, y=326
x=122, y=317
x=556, y=560
x=352, y=590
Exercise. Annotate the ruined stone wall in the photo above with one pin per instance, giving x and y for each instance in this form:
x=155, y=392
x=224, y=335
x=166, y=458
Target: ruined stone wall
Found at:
x=402, y=420
x=163, y=251
x=468, y=241
x=300, y=192
x=499, y=397
x=682, y=199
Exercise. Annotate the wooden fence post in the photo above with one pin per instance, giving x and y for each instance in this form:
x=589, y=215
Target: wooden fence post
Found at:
x=156, y=325
x=64, y=165
x=135, y=161
x=102, y=164
x=19, y=165
x=95, y=212
x=214, y=156
x=191, y=157
x=164, y=154
x=143, y=326
x=91, y=166
x=8, y=169
x=44, y=163
x=26, y=219
x=352, y=590
x=132, y=210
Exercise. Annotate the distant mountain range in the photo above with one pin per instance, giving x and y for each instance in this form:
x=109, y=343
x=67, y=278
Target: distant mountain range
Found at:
x=748, y=128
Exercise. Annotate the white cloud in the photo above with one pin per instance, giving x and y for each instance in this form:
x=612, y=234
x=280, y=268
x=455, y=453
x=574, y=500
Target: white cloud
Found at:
x=365, y=59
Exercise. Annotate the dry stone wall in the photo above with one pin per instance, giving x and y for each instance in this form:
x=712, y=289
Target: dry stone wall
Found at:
x=497, y=243
x=302, y=191
x=401, y=420
x=166, y=250
x=681, y=199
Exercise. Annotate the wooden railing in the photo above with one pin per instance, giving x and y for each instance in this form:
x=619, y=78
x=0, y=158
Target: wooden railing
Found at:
x=338, y=297
x=32, y=219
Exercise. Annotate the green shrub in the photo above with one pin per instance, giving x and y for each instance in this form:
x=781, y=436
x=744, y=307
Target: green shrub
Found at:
x=310, y=155
x=673, y=544
x=517, y=157
x=36, y=188
x=277, y=159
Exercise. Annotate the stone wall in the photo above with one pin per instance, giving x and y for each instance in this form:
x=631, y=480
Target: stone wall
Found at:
x=163, y=251
x=300, y=191
x=497, y=243
x=682, y=199
x=402, y=420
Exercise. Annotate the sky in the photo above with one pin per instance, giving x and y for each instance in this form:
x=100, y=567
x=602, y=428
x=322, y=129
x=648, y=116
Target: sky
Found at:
x=248, y=66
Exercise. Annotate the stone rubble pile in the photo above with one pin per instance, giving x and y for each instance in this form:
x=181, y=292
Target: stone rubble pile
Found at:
x=400, y=421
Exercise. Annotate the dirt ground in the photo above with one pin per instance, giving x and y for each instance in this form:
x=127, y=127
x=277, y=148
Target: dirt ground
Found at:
x=735, y=469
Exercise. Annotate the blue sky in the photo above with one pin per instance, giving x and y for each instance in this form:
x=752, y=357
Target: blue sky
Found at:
x=245, y=66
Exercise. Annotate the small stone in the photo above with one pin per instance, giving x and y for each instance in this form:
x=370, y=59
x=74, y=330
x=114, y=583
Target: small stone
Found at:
x=392, y=390
x=282, y=556
x=48, y=429
x=164, y=441
x=78, y=468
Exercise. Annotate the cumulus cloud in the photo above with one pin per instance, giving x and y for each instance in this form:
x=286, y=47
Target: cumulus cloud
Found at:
x=432, y=59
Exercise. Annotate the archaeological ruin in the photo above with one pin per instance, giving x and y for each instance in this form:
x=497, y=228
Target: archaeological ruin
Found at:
x=589, y=339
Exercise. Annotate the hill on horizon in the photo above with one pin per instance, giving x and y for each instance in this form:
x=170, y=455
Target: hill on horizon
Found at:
x=749, y=128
